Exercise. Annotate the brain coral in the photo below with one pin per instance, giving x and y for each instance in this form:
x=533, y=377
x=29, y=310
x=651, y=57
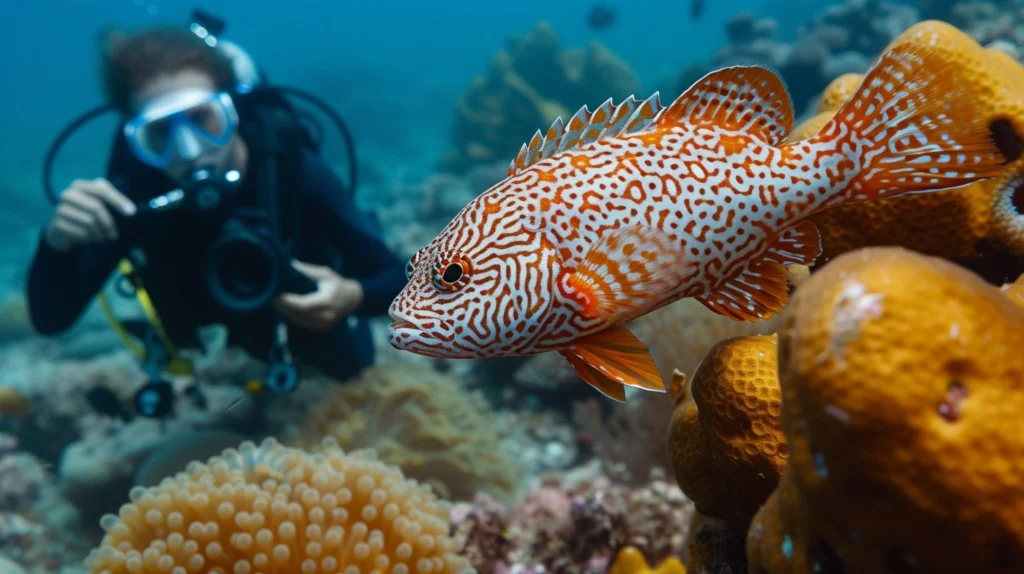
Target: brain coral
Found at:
x=903, y=383
x=421, y=421
x=272, y=509
x=726, y=440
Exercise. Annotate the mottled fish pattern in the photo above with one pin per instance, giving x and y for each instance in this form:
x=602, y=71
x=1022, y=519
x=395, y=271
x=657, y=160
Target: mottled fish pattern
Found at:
x=627, y=208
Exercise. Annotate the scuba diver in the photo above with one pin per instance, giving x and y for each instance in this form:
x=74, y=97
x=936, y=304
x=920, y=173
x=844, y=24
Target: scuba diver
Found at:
x=218, y=208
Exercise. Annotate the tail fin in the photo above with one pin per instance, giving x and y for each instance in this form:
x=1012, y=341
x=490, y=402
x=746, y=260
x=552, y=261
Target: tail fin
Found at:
x=919, y=128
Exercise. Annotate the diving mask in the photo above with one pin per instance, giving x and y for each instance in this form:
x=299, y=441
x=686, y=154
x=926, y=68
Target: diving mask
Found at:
x=183, y=125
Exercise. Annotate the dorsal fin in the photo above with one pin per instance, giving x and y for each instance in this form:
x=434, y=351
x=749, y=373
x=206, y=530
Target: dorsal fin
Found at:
x=585, y=127
x=749, y=99
x=574, y=130
x=619, y=118
x=644, y=115
x=599, y=120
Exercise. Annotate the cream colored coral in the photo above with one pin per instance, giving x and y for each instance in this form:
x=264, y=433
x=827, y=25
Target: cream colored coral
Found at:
x=425, y=423
x=276, y=510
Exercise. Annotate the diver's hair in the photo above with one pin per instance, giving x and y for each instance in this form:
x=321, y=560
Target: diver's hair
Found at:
x=130, y=61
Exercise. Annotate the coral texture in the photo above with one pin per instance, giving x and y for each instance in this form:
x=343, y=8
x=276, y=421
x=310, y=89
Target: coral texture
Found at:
x=575, y=523
x=422, y=421
x=726, y=440
x=902, y=383
x=530, y=83
x=270, y=508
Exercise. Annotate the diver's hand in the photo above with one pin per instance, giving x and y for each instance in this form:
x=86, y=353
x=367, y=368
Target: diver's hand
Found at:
x=335, y=298
x=83, y=214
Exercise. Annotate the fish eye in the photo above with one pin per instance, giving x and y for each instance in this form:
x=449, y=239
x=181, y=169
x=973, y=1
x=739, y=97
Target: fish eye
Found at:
x=452, y=273
x=409, y=268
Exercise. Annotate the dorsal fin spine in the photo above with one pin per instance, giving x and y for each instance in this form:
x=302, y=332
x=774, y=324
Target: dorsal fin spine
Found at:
x=584, y=127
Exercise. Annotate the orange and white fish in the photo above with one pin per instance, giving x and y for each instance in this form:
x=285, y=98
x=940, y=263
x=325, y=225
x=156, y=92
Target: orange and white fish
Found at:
x=629, y=208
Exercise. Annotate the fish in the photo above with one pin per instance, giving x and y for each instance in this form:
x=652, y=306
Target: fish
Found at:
x=696, y=9
x=630, y=207
x=601, y=16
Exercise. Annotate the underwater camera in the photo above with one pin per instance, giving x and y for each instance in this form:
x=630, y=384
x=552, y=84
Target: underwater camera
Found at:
x=246, y=266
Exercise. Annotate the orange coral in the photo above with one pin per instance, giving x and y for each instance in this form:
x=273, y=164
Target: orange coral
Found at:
x=903, y=384
x=1015, y=291
x=273, y=509
x=727, y=444
x=631, y=561
x=958, y=224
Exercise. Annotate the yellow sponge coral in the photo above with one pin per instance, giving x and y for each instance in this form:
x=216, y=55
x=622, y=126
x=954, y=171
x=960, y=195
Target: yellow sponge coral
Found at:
x=726, y=439
x=631, y=561
x=902, y=384
x=277, y=510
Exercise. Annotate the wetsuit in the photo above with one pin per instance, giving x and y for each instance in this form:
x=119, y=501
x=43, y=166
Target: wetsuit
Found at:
x=317, y=211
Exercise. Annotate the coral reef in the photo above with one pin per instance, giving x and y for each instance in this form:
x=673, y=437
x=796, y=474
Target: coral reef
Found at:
x=727, y=445
x=901, y=379
x=631, y=561
x=630, y=441
x=275, y=509
x=575, y=523
x=976, y=225
x=530, y=83
x=38, y=527
x=421, y=421
x=97, y=468
x=836, y=42
x=541, y=441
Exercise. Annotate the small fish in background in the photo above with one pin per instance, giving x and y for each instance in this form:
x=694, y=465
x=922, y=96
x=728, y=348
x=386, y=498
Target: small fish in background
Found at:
x=696, y=9
x=602, y=16
x=106, y=402
x=628, y=208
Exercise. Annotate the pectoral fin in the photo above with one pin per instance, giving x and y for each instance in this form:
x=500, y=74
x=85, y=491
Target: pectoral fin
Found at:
x=627, y=273
x=612, y=359
x=762, y=289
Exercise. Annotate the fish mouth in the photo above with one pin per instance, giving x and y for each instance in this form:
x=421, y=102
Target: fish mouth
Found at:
x=402, y=322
